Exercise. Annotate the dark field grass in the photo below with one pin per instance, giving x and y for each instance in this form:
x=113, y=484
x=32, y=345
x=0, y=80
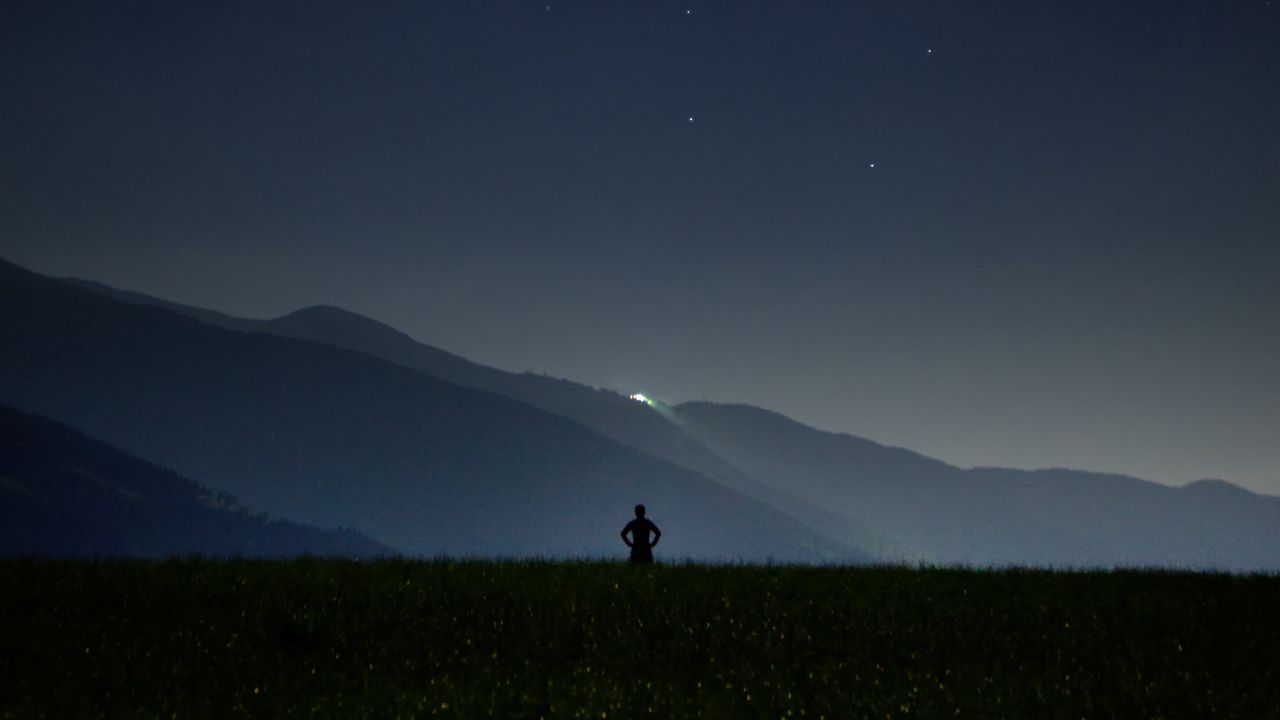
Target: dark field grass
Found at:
x=202, y=638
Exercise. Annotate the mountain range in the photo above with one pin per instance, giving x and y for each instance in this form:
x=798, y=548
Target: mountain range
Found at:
x=327, y=417
x=331, y=437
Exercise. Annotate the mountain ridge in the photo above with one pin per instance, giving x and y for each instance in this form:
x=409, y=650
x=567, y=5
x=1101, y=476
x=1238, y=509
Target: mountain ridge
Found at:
x=604, y=411
x=332, y=436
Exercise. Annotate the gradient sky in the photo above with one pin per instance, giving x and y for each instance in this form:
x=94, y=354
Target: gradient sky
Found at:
x=1001, y=233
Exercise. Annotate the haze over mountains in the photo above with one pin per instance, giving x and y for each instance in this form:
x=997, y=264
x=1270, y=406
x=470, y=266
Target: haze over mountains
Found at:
x=330, y=418
x=941, y=513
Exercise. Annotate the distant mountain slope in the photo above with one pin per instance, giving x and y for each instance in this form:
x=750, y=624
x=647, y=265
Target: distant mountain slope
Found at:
x=942, y=513
x=603, y=411
x=606, y=412
x=334, y=437
x=63, y=494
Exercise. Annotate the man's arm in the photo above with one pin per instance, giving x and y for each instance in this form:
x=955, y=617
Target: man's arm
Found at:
x=657, y=534
x=625, y=530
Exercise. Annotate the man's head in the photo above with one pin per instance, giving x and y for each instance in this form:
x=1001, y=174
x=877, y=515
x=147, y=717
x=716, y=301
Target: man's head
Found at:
x=639, y=511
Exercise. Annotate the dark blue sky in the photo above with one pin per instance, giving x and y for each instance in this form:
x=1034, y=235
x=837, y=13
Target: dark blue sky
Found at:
x=1066, y=253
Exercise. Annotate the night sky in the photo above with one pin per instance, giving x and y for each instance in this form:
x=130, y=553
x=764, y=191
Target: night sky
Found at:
x=1001, y=233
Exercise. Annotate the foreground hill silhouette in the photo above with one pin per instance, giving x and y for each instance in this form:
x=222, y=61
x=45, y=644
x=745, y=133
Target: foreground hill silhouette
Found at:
x=943, y=513
x=332, y=437
x=63, y=494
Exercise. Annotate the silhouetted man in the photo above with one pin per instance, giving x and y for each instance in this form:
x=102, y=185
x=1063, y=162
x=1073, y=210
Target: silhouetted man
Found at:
x=641, y=548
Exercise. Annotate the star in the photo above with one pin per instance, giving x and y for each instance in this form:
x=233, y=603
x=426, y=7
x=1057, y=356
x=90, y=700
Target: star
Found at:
x=871, y=165
x=691, y=120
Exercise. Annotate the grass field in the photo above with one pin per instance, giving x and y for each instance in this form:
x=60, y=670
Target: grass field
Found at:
x=203, y=638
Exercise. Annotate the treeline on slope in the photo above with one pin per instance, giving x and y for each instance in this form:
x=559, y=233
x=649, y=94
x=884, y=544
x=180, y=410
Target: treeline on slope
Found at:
x=63, y=494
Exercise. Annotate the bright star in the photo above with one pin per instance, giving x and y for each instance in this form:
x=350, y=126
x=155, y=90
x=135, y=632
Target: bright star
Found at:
x=871, y=165
x=691, y=119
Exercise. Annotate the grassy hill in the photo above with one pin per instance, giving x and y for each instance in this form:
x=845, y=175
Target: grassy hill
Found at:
x=422, y=639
